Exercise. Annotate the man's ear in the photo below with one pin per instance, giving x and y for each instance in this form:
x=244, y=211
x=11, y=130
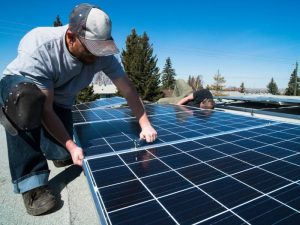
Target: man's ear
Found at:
x=71, y=36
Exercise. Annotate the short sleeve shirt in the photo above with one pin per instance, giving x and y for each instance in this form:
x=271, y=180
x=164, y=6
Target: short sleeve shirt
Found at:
x=44, y=57
x=199, y=96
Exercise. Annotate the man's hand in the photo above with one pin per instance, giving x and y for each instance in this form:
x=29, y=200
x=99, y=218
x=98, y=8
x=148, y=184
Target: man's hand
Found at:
x=77, y=156
x=148, y=133
x=76, y=153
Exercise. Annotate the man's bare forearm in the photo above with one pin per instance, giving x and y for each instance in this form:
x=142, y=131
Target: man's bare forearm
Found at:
x=185, y=99
x=129, y=92
x=55, y=127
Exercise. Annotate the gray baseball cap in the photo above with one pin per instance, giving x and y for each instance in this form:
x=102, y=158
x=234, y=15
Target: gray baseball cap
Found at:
x=93, y=27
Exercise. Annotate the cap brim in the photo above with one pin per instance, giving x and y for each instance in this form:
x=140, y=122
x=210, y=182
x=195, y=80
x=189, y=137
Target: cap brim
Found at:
x=100, y=48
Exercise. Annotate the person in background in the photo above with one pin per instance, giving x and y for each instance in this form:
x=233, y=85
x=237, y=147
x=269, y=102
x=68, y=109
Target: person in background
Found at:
x=38, y=90
x=183, y=95
x=202, y=98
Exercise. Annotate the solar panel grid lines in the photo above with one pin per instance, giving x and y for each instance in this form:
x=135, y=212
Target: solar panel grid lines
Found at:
x=268, y=172
x=100, y=103
x=162, y=141
x=92, y=116
x=151, y=193
x=274, y=199
x=110, y=113
x=99, y=204
x=163, y=110
x=229, y=171
x=199, y=187
x=181, y=190
x=275, y=159
x=266, y=145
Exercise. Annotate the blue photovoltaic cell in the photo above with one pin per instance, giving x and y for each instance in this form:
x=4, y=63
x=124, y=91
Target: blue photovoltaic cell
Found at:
x=264, y=211
x=204, y=168
x=289, y=195
x=261, y=180
x=166, y=183
x=191, y=206
x=124, y=194
x=137, y=214
x=230, y=192
x=200, y=173
x=254, y=158
x=224, y=219
x=295, y=159
x=229, y=165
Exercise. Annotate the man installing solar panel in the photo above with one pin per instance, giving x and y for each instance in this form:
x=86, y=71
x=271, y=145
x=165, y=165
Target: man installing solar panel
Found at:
x=38, y=90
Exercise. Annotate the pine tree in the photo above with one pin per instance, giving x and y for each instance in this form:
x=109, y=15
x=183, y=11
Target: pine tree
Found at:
x=168, y=75
x=219, y=83
x=293, y=85
x=272, y=87
x=242, y=87
x=57, y=22
x=86, y=95
x=195, y=82
x=140, y=65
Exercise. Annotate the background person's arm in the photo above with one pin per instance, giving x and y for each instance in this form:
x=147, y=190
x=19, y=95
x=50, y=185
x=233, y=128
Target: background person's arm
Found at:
x=186, y=99
x=55, y=127
x=127, y=89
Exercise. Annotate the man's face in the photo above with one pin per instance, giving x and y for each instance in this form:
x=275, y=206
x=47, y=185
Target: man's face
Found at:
x=206, y=104
x=83, y=54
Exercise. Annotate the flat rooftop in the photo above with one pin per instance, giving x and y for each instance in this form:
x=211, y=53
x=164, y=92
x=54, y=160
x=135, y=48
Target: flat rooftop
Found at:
x=76, y=206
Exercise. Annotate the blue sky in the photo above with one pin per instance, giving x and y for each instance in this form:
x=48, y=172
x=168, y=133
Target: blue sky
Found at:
x=248, y=41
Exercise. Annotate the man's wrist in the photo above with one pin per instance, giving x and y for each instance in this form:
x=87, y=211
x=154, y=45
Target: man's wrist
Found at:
x=145, y=124
x=144, y=121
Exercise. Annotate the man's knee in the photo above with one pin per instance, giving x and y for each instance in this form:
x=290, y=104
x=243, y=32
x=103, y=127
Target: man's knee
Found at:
x=22, y=109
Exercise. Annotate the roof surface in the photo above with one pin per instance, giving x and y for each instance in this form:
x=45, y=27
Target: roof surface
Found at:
x=69, y=184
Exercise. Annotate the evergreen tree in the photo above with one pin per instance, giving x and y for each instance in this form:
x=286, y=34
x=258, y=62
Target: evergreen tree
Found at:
x=168, y=75
x=219, y=83
x=242, y=87
x=272, y=87
x=86, y=95
x=293, y=85
x=195, y=82
x=57, y=22
x=140, y=65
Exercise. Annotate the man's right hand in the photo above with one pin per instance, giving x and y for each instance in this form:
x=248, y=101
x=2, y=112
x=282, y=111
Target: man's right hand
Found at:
x=76, y=153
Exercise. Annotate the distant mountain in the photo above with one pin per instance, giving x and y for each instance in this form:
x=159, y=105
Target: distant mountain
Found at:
x=101, y=79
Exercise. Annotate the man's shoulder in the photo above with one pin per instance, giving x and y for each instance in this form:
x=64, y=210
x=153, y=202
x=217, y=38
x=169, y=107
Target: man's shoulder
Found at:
x=40, y=36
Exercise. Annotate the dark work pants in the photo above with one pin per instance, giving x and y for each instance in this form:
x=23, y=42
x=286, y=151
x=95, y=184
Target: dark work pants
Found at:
x=28, y=151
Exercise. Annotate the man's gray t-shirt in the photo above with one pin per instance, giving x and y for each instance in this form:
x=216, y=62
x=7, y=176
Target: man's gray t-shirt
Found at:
x=43, y=57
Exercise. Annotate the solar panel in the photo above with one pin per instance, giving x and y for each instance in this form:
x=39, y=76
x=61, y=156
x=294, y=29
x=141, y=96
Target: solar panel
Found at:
x=87, y=111
x=264, y=99
x=207, y=167
x=101, y=103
